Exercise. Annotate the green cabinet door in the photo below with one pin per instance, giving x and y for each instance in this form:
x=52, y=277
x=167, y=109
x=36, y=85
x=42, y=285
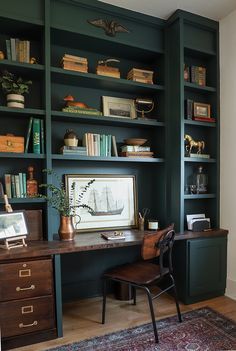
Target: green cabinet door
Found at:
x=206, y=266
x=200, y=268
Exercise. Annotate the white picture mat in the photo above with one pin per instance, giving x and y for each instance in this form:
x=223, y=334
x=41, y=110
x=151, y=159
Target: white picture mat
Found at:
x=12, y=224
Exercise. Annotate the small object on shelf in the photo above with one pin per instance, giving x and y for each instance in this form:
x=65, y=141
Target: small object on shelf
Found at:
x=33, y=61
x=199, y=155
x=18, y=50
x=188, y=108
x=204, y=119
x=116, y=235
x=8, y=207
x=135, y=141
x=73, y=150
x=186, y=73
x=14, y=87
x=153, y=224
x=11, y=143
x=144, y=106
x=200, y=179
x=75, y=63
x=198, y=75
x=78, y=107
x=110, y=27
x=70, y=138
x=140, y=75
x=31, y=183
x=105, y=70
x=191, y=143
x=118, y=107
x=136, y=154
x=198, y=222
x=201, y=110
x=2, y=55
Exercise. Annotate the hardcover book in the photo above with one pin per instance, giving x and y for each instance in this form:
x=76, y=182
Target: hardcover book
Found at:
x=113, y=236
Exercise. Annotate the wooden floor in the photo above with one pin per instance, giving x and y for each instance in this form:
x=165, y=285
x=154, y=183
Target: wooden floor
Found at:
x=81, y=319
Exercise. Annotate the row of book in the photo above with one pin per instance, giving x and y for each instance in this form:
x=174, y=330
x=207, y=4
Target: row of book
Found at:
x=82, y=110
x=34, y=141
x=16, y=185
x=136, y=151
x=140, y=75
x=75, y=63
x=18, y=50
x=195, y=74
x=100, y=145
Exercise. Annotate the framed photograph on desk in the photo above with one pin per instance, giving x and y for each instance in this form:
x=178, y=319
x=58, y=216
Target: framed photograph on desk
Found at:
x=12, y=224
x=112, y=200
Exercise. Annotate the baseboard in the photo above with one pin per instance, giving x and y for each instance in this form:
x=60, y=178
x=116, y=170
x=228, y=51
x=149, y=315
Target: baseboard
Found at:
x=231, y=289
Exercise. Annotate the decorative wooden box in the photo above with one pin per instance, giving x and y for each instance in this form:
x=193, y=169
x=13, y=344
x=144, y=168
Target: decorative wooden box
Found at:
x=11, y=143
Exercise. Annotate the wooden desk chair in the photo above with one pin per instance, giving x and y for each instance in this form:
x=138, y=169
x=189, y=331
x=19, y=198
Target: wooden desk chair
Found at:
x=145, y=273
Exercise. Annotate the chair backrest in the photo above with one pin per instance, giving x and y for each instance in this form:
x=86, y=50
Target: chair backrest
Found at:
x=150, y=248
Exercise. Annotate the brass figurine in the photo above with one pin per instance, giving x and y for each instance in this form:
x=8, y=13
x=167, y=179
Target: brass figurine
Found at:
x=107, y=61
x=110, y=27
x=200, y=145
x=143, y=105
x=33, y=60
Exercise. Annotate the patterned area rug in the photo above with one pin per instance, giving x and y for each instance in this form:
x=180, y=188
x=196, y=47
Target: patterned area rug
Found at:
x=201, y=330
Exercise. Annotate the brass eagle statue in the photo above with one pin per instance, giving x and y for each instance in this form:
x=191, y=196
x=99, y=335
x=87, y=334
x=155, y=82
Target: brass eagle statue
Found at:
x=110, y=27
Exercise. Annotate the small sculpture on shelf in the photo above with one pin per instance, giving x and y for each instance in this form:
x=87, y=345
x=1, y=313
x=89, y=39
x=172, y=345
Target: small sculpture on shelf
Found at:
x=191, y=143
x=144, y=106
x=110, y=27
x=79, y=107
x=31, y=184
x=70, y=138
x=104, y=68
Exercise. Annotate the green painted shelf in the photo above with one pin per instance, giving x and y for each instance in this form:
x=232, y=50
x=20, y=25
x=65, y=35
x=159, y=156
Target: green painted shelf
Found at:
x=107, y=159
x=199, y=159
x=199, y=88
x=200, y=124
x=21, y=111
x=105, y=120
x=88, y=80
x=199, y=196
x=191, y=51
x=23, y=68
x=24, y=200
x=21, y=155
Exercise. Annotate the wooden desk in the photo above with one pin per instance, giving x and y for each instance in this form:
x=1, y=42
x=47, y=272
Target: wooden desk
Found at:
x=40, y=253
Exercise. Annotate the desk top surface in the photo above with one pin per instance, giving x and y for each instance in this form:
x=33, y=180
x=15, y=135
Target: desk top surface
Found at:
x=90, y=242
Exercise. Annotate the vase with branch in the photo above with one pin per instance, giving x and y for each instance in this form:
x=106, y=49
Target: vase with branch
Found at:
x=61, y=200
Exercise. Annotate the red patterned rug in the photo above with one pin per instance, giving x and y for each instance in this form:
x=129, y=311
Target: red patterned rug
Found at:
x=201, y=330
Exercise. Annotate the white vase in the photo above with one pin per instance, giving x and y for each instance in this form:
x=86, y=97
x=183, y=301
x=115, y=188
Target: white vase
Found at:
x=15, y=100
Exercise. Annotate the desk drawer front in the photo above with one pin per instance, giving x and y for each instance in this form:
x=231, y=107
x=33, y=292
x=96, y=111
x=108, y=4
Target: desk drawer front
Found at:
x=26, y=316
x=25, y=279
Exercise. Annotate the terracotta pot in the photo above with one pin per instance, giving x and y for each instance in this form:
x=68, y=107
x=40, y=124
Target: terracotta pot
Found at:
x=15, y=100
x=66, y=230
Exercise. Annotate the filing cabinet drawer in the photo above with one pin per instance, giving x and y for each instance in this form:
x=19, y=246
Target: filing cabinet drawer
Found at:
x=25, y=279
x=27, y=316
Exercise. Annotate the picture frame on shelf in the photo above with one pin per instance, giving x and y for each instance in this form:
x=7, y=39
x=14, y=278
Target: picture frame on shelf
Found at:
x=12, y=225
x=118, y=107
x=201, y=110
x=112, y=199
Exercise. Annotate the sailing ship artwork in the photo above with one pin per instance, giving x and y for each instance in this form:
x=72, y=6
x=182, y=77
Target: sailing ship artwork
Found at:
x=111, y=200
x=104, y=204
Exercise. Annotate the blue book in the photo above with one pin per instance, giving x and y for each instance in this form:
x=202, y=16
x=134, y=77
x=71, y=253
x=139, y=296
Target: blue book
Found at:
x=36, y=136
x=42, y=136
x=24, y=184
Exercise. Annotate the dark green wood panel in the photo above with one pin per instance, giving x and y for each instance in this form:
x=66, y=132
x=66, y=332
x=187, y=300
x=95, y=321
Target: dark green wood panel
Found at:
x=24, y=10
x=199, y=38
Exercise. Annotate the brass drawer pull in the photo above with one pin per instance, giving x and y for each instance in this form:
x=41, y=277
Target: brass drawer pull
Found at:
x=27, y=309
x=24, y=273
x=21, y=325
x=31, y=287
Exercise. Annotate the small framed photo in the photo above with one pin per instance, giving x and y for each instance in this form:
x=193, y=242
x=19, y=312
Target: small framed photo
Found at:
x=12, y=224
x=111, y=199
x=118, y=107
x=201, y=110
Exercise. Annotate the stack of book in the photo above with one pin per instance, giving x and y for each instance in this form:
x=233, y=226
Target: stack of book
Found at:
x=189, y=113
x=18, y=50
x=82, y=110
x=100, y=145
x=195, y=74
x=15, y=185
x=108, y=71
x=140, y=75
x=75, y=63
x=136, y=151
x=34, y=140
x=73, y=150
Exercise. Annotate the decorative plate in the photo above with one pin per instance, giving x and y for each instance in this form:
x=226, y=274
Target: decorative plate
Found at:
x=135, y=141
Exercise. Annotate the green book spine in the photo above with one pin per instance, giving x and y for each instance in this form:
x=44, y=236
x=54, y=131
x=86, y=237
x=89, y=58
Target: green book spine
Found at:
x=21, y=184
x=13, y=185
x=8, y=49
x=36, y=136
x=17, y=184
x=42, y=136
x=8, y=185
x=28, y=134
x=109, y=145
x=24, y=184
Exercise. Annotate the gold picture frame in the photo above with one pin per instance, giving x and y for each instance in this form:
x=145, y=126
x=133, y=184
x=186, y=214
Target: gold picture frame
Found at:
x=118, y=107
x=201, y=110
x=112, y=199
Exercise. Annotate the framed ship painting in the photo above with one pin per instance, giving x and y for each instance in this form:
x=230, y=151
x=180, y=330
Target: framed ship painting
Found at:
x=111, y=201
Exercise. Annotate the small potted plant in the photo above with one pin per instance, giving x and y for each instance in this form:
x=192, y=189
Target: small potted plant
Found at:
x=59, y=199
x=14, y=87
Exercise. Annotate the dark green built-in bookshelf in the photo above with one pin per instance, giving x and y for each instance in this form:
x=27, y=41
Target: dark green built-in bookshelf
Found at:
x=56, y=27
